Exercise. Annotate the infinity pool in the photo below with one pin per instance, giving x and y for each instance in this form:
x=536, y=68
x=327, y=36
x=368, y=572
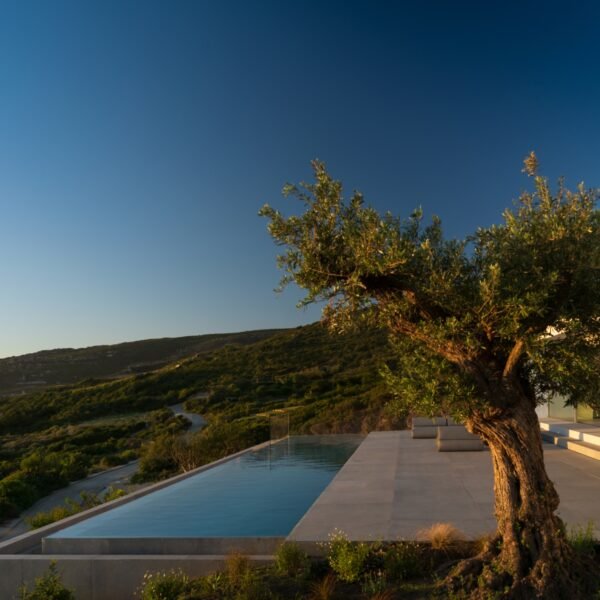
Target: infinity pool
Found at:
x=260, y=493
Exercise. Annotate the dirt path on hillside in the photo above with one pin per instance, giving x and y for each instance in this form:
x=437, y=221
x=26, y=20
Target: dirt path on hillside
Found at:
x=94, y=484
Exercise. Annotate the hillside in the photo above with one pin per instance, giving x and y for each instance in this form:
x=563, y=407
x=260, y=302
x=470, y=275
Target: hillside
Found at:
x=326, y=383
x=39, y=370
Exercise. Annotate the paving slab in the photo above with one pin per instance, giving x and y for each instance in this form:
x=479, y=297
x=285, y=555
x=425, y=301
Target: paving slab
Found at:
x=394, y=487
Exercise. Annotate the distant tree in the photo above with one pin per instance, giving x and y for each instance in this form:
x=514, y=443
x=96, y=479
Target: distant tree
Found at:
x=485, y=329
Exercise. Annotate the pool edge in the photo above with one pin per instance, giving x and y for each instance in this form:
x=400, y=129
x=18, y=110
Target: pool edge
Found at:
x=26, y=542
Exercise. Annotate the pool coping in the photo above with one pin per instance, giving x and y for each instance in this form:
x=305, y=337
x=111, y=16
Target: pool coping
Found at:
x=28, y=542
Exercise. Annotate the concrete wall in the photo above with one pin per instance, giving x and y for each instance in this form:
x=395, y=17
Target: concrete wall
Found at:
x=104, y=577
x=161, y=546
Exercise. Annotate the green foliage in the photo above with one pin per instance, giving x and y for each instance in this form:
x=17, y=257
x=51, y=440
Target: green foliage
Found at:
x=57, y=513
x=473, y=311
x=169, y=454
x=374, y=583
x=71, y=507
x=157, y=460
x=164, y=585
x=16, y=493
x=47, y=587
x=291, y=560
x=241, y=581
x=583, y=540
x=113, y=493
x=346, y=558
x=404, y=560
x=40, y=462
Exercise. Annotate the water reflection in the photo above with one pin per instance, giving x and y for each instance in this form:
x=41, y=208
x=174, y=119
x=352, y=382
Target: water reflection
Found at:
x=262, y=493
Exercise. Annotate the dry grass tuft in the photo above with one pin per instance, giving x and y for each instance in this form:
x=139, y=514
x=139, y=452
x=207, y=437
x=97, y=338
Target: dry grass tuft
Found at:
x=236, y=567
x=384, y=595
x=324, y=589
x=442, y=536
x=481, y=543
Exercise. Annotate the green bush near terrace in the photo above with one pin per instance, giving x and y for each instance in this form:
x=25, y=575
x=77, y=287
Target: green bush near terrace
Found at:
x=47, y=587
x=295, y=576
x=170, y=454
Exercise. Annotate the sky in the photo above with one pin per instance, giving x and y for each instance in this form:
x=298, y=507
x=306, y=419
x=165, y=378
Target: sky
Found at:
x=138, y=140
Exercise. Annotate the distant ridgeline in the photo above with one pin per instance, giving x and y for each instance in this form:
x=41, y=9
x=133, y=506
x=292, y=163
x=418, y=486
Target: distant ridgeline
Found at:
x=329, y=383
x=31, y=372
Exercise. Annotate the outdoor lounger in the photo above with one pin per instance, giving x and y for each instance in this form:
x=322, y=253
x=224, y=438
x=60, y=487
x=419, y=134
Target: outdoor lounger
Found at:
x=457, y=439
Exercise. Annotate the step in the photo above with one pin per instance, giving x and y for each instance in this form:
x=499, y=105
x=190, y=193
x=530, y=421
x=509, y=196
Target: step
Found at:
x=585, y=448
x=580, y=432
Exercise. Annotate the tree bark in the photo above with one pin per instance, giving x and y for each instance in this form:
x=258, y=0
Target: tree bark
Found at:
x=529, y=557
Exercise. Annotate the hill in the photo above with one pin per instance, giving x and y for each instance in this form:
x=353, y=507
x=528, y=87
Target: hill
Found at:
x=39, y=370
x=325, y=383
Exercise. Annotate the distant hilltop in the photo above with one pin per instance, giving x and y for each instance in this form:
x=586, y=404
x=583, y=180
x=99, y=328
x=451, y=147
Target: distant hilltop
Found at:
x=39, y=370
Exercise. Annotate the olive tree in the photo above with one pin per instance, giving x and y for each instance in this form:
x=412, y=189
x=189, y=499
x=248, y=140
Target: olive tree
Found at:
x=486, y=328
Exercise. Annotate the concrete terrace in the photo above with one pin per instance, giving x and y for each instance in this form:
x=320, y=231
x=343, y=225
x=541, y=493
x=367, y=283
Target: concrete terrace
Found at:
x=394, y=486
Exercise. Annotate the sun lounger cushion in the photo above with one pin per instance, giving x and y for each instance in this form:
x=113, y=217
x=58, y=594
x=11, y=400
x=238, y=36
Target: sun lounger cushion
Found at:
x=421, y=422
x=459, y=445
x=429, y=431
x=457, y=439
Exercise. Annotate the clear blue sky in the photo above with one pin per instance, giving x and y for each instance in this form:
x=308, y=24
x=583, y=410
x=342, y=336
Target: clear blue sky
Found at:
x=138, y=139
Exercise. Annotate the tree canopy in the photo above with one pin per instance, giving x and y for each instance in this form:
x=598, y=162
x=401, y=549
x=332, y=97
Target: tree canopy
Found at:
x=485, y=328
x=519, y=299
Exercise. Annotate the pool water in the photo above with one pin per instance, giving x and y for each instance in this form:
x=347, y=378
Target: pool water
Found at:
x=260, y=493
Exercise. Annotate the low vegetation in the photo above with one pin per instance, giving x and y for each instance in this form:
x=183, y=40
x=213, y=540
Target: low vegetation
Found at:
x=349, y=570
x=72, y=507
x=35, y=463
x=47, y=587
x=442, y=536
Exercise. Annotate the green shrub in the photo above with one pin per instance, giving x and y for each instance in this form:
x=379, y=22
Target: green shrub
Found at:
x=8, y=509
x=291, y=560
x=47, y=587
x=42, y=519
x=113, y=493
x=157, y=460
x=582, y=539
x=347, y=559
x=164, y=585
x=250, y=587
x=374, y=583
x=212, y=586
x=72, y=507
x=18, y=491
x=404, y=560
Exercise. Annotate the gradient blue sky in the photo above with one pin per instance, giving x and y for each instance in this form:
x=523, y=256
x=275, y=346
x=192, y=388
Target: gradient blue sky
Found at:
x=139, y=139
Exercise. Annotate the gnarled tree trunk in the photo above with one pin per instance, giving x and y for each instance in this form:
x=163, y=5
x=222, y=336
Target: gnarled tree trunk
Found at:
x=529, y=557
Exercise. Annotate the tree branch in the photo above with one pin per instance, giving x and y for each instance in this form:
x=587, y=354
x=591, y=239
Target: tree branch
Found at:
x=385, y=284
x=448, y=350
x=513, y=358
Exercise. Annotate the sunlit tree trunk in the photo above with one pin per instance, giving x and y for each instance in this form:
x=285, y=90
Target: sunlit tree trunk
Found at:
x=529, y=557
